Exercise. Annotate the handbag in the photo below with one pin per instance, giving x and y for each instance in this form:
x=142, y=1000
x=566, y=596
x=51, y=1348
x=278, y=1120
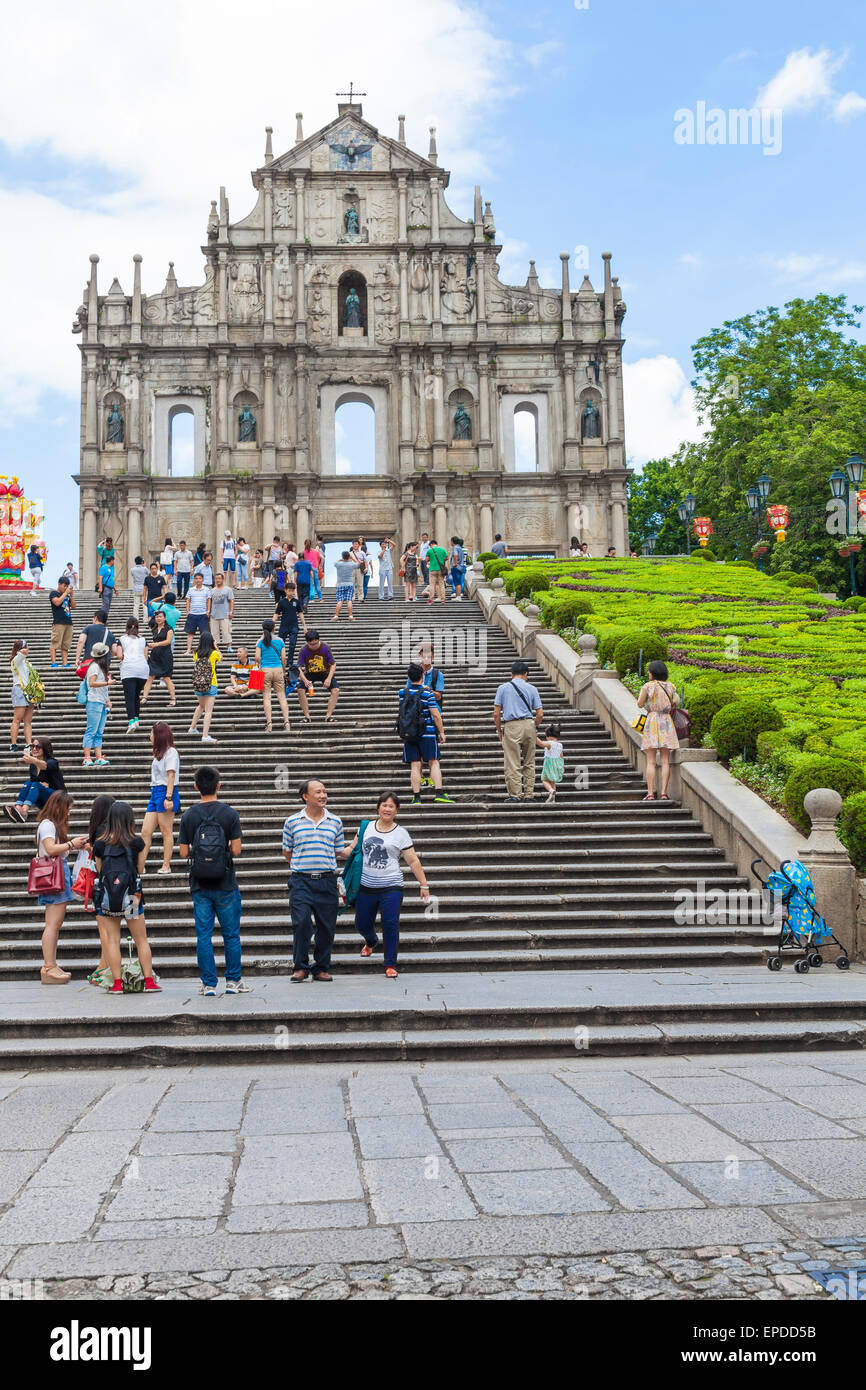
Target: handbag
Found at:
x=257, y=679
x=46, y=874
x=682, y=723
x=639, y=722
x=34, y=690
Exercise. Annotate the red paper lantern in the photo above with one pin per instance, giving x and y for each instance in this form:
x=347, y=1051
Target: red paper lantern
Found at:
x=703, y=529
x=777, y=515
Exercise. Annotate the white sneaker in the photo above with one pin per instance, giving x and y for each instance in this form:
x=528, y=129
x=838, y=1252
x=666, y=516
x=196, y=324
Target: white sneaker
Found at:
x=208, y=990
x=206, y=738
x=237, y=987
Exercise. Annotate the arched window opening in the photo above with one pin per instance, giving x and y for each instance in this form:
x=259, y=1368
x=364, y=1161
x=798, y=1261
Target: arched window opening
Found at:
x=181, y=443
x=355, y=437
x=525, y=439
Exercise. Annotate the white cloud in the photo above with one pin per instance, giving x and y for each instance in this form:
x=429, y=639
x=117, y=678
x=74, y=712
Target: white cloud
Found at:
x=741, y=57
x=851, y=104
x=805, y=80
x=143, y=109
x=815, y=271
x=659, y=408
x=540, y=52
x=691, y=258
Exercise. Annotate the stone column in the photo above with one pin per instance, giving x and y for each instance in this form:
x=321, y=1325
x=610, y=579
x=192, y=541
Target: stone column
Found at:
x=568, y=384
x=567, y=328
x=483, y=400
x=222, y=295
x=133, y=534
x=438, y=402
x=88, y=547
x=402, y=232
x=302, y=524
x=224, y=424
x=90, y=460
x=480, y=289
x=268, y=185
x=267, y=525
x=300, y=301
x=618, y=537
x=611, y=375
x=576, y=514
x=135, y=330
x=300, y=230
x=434, y=209
x=435, y=261
x=832, y=872
x=222, y=525
x=134, y=449
x=408, y=525
x=301, y=422
x=485, y=534
x=405, y=401
x=440, y=517
x=404, y=291
x=268, y=442
x=269, y=294
x=92, y=332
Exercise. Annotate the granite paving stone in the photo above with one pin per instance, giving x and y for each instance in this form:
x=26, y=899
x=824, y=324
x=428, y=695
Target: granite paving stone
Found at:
x=135, y=1202
x=224, y=1086
x=157, y=1228
x=295, y=1112
x=85, y=1160
x=49, y=1214
x=397, y=1136
x=225, y=1141
x=298, y=1217
x=416, y=1189
x=282, y=1169
x=711, y=1090
x=169, y=1171
x=771, y=1119
x=16, y=1168
x=679, y=1138
x=835, y=1167
x=561, y=1111
x=518, y=1132
x=753, y=1184
x=483, y=1115
x=465, y=1090
x=635, y=1181
x=780, y=1076
x=550, y=1190
x=124, y=1106
x=837, y=1102
x=197, y=1115
x=624, y=1095
x=369, y=1096
x=504, y=1155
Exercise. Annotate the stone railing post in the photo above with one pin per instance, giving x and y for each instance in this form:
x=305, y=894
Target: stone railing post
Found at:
x=588, y=668
x=828, y=862
x=498, y=597
x=532, y=627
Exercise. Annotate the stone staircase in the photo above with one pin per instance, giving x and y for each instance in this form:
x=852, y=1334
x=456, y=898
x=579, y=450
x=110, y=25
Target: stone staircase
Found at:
x=587, y=885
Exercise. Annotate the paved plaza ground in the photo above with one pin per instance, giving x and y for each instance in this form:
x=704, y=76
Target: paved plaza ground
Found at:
x=706, y=1176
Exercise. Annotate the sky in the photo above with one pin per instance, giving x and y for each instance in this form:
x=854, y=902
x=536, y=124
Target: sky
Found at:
x=581, y=119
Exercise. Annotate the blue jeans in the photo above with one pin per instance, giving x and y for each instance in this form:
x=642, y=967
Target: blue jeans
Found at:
x=33, y=794
x=366, y=582
x=386, y=579
x=315, y=587
x=209, y=904
x=106, y=596
x=387, y=901
x=313, y=901
x=97, y=713
x=182, y=583
x=458, y=574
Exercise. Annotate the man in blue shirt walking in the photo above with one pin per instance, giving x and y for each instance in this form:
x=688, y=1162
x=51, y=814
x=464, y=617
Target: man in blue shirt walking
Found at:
x=106, y=582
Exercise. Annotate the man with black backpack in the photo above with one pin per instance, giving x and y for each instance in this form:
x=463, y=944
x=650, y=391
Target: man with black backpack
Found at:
x=210, y=839
x=420, y=726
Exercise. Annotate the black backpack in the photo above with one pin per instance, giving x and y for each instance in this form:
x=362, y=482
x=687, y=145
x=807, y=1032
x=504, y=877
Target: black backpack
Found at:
x=209, y=852
x=118, y=879
x=411, y=721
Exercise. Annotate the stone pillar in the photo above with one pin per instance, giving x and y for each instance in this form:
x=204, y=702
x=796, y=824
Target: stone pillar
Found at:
x=302, y=524
x=133, y=537
x=832, y=872
x=440, y=517
x=404, y=291
x=611, y=376
x=436, y=291
x=609, y=320
x=301, y=423
x=88, y=547
x=300, y=231
x=405, y=401
x=480, y=290
x=269, y=209
x=533, y=626
x=268, y=524
x=134, y=448
x=483, y=400
x=618, y=536
x=222, y=295
x=438, y=402
x=567, y=328
x=269, y=294
x=224, y=424
x=408, y=525
x=576, y=514
x=434, y=209
x=269, y=461
x=568, y=384
x=300, y=301
x=222, y=525
x=92, y=333
x=135, y=329
x=485, y=535
x=402, y=233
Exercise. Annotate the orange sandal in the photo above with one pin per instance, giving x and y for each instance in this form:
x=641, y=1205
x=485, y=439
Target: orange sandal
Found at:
x=366, y=950
x=391, y=973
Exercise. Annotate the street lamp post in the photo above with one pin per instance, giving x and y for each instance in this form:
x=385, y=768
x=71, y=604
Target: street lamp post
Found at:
x=756, y=497
x=685, y=512
x=840, y=486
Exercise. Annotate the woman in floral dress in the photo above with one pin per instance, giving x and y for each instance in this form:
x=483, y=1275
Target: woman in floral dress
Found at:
x=660, y=699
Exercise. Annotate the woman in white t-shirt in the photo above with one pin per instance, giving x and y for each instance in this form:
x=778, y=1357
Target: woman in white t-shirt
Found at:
x=22, y=710
x=164, y=803
x=166, y=559
x=243, y=563
x=53, y=841
x=383, y=843
x=134, y=671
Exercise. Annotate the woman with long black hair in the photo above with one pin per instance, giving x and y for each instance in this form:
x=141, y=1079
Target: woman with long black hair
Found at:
x=119, y=854
x=53, y=841
x=271, y=660
x=383, y=843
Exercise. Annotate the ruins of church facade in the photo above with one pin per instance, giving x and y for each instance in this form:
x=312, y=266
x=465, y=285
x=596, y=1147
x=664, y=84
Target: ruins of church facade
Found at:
x=498, y=408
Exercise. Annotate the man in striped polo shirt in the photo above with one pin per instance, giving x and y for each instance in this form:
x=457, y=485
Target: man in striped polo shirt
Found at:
x=312, y=843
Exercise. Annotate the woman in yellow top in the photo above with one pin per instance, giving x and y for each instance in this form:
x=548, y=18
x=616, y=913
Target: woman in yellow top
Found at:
x=659, y=734
x=207, y=651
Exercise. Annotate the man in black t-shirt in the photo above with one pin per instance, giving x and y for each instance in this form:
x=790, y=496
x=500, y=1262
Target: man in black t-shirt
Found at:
x=154, y=587
x=214, y=898
x=61, y=603
x=97, y=631
x=290, y=612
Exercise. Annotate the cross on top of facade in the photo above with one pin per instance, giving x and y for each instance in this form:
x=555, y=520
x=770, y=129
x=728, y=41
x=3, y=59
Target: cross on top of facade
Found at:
x=351, y=94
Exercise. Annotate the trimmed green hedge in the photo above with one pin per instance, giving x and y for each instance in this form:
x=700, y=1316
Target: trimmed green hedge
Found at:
x=493, y=569
x=734, y=730
x=636, y=650
x=840, y=774
x=561, y=609
x=800, y=581
x=486, y=555
x=704, y=703
x=852, y=828
x=523, y=583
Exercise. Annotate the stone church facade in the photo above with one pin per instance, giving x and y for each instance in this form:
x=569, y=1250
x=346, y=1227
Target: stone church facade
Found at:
x=352, y=280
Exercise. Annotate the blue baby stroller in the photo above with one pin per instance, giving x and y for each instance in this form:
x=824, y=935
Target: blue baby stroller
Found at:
x=802, y=927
